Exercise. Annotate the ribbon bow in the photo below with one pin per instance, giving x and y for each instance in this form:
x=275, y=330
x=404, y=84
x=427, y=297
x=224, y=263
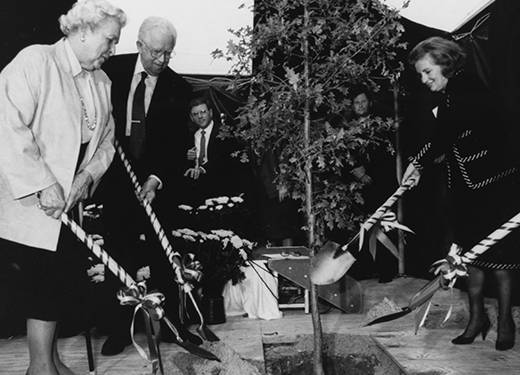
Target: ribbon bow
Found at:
x=451, y=267
x=191, y=271
x=151, y=304
x=386, y=223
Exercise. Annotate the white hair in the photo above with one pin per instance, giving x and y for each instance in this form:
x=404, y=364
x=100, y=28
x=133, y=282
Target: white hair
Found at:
x=90, y=13
x=157, y=24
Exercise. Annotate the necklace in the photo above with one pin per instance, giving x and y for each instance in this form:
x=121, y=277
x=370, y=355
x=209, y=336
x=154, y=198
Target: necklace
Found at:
x=90, y=125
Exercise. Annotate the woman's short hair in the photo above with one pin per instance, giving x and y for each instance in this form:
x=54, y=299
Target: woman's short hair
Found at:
x=90, y=13
x=445, y=53
x=157, y=24
x=360, y=89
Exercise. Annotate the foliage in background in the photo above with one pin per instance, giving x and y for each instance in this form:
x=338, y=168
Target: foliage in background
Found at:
x=350, y=42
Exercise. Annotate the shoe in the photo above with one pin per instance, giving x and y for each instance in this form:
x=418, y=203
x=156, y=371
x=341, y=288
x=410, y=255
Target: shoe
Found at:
x=168, y=336
x=504, y=345
x=484, y=329
x=114, y=345
x=508, y=344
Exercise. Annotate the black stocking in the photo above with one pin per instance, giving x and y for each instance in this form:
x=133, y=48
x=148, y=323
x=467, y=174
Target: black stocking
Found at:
x=477, y=312
x=506, y=325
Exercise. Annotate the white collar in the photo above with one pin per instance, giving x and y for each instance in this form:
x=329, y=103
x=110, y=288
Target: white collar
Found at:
x=73, y=60
x=207, y=129
x=139, y=68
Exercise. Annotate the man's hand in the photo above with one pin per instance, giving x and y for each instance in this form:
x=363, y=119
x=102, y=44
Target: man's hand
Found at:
x=79, y=190
x=194, y=173
x=148, y=190
x=192, y=153
x=52, y=201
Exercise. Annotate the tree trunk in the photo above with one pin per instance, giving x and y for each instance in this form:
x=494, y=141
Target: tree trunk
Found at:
x=316, y=321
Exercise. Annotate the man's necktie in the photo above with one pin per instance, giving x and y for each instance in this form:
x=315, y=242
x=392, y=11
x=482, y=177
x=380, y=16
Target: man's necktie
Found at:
x=138, y=131
x=202, y=153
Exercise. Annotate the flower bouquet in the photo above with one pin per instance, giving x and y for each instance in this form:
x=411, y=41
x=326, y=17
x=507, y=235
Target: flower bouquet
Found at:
x=221, y=252
x=219, y=213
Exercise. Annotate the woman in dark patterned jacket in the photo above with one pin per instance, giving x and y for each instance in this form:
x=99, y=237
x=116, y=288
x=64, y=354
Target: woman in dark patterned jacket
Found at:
x=483, y=179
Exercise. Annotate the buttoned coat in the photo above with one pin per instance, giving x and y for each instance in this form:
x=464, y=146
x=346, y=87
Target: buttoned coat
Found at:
x=40, y=127
x=167, y=135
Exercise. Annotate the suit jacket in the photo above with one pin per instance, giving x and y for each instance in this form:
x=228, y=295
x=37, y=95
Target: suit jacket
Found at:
x=40, y=126
x=167, y=135
x=469, y=134
x=221, y=171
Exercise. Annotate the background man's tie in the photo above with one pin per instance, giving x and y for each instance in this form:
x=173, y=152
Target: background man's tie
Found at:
x=202, y=153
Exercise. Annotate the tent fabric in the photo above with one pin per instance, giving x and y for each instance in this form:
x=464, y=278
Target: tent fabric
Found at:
x=219, y=91
x=445, y=15
x=504, y=53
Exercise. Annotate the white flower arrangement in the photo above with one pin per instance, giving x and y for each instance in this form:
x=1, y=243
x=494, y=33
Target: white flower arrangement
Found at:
x=221, y=252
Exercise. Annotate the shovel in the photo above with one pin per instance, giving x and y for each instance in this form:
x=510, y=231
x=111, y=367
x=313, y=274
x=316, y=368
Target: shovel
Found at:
x=202, y=329
x=173, y=256
x=189, y=346
x=333, y=261
x=127, y=280
x=427, y=292
x=419, y=299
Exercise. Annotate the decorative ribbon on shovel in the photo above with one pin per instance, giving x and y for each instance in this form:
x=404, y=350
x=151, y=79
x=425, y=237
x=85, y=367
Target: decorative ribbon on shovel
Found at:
x=387, y=222
x=183, y=275
x=154, y=299
x=448, y=270
x=333, y=260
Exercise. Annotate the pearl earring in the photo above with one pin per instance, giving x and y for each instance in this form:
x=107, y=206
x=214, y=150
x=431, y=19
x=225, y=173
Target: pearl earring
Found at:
x=83, y=38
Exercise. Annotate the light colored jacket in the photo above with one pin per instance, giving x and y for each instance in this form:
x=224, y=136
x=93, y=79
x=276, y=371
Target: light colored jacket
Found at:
x=40, y=139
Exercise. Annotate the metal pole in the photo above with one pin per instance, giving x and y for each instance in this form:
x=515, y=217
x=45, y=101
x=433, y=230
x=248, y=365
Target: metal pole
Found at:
x=399, y=170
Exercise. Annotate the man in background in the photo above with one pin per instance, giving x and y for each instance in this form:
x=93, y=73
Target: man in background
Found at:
x=212, y=170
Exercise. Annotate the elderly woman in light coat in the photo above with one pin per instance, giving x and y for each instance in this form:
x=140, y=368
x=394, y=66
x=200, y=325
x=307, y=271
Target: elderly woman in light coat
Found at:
x=57, y=133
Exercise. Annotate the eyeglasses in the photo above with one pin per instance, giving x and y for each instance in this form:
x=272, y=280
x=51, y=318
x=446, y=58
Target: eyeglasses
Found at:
x=158, y=54
x=203, y=113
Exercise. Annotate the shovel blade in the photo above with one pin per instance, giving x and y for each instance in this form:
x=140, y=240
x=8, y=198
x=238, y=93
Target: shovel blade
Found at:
x=389, y=317
x=426, y=293
x=207, y=334
x=330, y=264
x=198, y=351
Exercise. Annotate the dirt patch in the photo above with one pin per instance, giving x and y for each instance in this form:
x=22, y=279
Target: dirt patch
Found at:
x=183, y=363
x=343, y=354
x=386, y=307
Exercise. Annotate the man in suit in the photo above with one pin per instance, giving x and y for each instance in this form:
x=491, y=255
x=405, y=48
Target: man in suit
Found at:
x=211, y=174
x=149, y=107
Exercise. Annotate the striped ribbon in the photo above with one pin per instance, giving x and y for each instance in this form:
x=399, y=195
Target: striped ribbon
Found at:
x=173, y=257
x=134, y=294
x=455, y=264
x=106, y=259
x=376, y=216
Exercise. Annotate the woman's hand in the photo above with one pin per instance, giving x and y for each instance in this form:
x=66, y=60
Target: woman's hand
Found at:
x=79, y=190
x=411, y=171
x=52, y=201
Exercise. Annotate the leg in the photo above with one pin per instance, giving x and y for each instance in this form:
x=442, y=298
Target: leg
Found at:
x=60, y=366
x=40, y=337
x=478, y=321
x=506, y=325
